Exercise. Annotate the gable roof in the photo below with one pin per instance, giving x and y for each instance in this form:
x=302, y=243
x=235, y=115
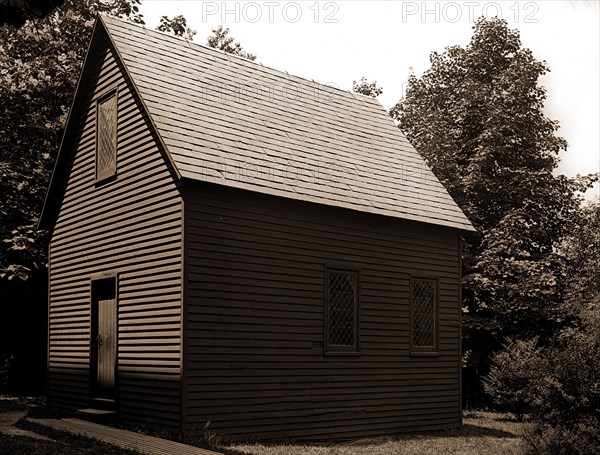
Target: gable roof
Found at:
x=226, y=120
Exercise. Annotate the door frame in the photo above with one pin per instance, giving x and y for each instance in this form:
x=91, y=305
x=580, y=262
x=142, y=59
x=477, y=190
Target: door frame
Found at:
x=93, y=357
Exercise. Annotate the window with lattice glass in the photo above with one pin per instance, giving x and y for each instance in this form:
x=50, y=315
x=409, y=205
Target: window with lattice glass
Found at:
x=341, y=311
x=423, y=313
x=106, y=136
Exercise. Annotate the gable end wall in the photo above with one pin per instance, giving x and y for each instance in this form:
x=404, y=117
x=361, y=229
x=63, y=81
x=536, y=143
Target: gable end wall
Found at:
x=133, y=227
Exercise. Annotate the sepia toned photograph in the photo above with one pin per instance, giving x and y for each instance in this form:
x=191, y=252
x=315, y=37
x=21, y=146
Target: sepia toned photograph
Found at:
x=304, y=227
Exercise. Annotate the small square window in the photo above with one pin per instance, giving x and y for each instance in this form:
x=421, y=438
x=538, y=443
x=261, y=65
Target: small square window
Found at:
x=106, y=136
x=341, y=311
x=423, y=315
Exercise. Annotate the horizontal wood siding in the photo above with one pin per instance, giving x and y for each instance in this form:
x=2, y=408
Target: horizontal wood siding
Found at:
x=131, y=226
x=255, y=362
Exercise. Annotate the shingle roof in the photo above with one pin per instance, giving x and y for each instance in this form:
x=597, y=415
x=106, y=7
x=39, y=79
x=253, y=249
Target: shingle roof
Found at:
x=230, y=121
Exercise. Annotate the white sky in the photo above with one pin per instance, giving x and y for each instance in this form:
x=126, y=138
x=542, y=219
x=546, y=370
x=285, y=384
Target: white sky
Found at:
x=337, y=42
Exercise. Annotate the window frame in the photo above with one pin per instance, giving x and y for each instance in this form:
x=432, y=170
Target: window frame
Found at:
x=111, y=173
x=332, y=349
x=425, y=350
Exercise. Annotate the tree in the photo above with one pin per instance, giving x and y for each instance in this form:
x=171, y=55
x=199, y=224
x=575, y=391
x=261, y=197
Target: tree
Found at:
x=367, y=88
x=39, y=65
x=16, y=12
x=477, y=118
x=519, y=272
x=177, y=26
x=220, y=40
x=581, y=249
x=558, y=383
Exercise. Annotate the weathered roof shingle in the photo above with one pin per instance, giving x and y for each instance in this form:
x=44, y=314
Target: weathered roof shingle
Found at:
x=226, y=120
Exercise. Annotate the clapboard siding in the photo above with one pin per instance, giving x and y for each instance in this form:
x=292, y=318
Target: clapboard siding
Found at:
x=131, y=226
x=255, y=364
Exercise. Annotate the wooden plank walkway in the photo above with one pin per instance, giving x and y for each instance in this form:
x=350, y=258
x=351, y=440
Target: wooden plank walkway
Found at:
x=127, y=439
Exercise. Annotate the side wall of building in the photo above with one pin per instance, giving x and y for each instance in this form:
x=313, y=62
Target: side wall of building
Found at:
x=132, y=227
x=255, y=283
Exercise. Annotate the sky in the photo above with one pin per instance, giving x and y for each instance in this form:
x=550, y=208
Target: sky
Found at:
x=338, y=42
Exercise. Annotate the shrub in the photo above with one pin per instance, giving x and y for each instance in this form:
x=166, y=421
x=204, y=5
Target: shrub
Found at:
x=582, y=438
x=557, y=385
x=511, y=380
x=570, y=390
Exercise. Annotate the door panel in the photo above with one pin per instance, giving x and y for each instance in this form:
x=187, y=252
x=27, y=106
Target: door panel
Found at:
x=103, y=338
x=107, y=344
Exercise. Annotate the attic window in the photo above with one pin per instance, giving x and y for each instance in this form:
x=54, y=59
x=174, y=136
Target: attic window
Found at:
x=341, y=311
x=423, y=315
x=106, y=136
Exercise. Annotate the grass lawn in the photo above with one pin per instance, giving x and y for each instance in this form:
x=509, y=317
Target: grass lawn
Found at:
x=483, y=433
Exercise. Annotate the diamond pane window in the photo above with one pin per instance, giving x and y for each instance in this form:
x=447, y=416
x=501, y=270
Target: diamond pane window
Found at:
x=106, y=136
x=424, y=315
x=341, y=311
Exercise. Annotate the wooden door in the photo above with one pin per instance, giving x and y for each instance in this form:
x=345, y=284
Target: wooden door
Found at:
x=106, y=342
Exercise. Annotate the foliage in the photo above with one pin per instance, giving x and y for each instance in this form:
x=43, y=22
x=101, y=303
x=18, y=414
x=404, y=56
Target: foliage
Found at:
x=509, y=381
x=477, y=118
x=16, y=12
x=39, y=66
x=177, y=26
x=581, y=249
x=220, y=40
x=582, y=439
x=558, y=385
x=367, y=88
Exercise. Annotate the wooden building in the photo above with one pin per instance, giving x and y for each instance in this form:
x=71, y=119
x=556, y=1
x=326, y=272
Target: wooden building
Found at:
x=234, y=244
